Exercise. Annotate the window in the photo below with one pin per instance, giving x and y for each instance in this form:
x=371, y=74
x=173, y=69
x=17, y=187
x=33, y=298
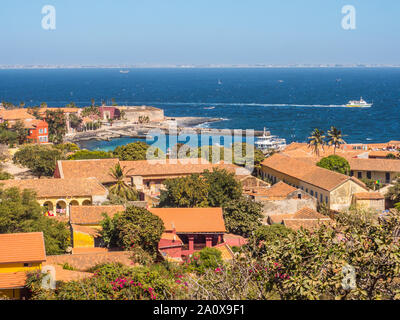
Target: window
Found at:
x=40, y=131
x=312, y=193
x=351, y=173
x=369, y=174
x=27, y=265
x=45, y=130
x=359, y=175
x=299, y=195
x=326, y=199
x=321, y=198
x=307, y=190
x=316, y=195
x=387, y=177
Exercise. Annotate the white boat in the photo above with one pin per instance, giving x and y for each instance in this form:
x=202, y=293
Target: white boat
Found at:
x=124, y=71
x=267, y=142
x=358, y=104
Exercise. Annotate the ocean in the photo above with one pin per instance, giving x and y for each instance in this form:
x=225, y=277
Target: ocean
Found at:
x=290, y=102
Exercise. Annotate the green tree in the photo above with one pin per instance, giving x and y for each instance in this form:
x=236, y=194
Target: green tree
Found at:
x=74, y=121
x=206, y=259
x=393, y=193
x=268, y=234
x=86, y=154
x=57, y=125
x=135, y=151
x=242, y=216
x=20, y=212
x=222, y=187
x=121, y=188
x=335, y=163
x=185, y=192
x=136, y=227
x=316, y=141
x=41, y=160
x=335, y=138
x=8, y=137
x=21, y=131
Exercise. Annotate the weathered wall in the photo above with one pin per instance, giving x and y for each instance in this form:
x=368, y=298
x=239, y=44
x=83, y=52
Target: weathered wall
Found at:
x=286, y=206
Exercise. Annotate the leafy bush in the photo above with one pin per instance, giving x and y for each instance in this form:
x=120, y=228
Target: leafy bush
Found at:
x=207, y=258
x=86, y=154
x=335, y=163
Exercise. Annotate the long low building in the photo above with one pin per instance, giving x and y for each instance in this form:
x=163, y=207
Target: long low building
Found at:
x=382, y=170
x=146, y=175
x=58, y=195
x=334, y=189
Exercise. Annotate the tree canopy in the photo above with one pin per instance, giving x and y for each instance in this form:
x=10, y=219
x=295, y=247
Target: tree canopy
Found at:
x=57, y=125
x=20, y=212
x=136, y=151
x=242, y=216
x=210, y=189
x=335, y=163
x=86, y=154
x=40, y=159
x=136, y=227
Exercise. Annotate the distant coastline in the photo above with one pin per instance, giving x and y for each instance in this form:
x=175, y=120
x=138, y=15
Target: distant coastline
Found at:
x=189, y=66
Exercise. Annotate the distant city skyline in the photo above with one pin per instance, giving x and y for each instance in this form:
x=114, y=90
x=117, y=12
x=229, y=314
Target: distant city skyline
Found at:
x=182, y=33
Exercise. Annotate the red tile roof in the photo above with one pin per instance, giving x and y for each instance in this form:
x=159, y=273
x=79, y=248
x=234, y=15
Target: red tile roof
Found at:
x=191, y=220
x=22, y=247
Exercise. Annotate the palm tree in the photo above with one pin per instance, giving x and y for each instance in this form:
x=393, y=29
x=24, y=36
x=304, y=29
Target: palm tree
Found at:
x=121, y=188
x=316, y=141
x=335, y=138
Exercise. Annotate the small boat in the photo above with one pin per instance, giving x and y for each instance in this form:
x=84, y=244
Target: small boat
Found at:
x=358, y=104
x=123, y=71
x=267, y=142
x=281, y=81
x=219, y=82
x=209, y=108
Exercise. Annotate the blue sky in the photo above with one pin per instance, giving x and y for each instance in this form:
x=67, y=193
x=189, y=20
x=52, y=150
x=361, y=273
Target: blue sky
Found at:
x=199, y=32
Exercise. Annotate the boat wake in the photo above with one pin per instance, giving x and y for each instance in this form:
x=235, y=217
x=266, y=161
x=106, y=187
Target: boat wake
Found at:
x=241, y=104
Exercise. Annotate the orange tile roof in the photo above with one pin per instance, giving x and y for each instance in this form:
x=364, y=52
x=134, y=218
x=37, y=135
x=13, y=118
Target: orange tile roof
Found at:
x=92, y=214
x=65, y=110
x=15, y=114
x=169, y=167
x=279, y=190
x=386, y=165
x=22, y=247
x=191, y=220
x=33, y=123
x=50, y=188
x=97, y=168
x=381, y=153
x=307, y=172
x=12, y=280
x=369, y=196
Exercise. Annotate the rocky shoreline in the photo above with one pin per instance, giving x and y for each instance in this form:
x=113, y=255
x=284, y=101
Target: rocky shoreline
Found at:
x=134, y=130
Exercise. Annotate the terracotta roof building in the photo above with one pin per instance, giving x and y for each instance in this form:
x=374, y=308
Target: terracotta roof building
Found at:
x=374, y=201
x=98, y=168
x=383, y=170
x=196, y=227
x=19, y=253
x=59, y=194
x=326, y=186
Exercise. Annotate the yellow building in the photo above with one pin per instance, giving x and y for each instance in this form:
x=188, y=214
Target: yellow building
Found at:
x=19, y=254
x=382, y=170
x=331, y=188
x=85, y=224
x=374, y=201
x=59, y=195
